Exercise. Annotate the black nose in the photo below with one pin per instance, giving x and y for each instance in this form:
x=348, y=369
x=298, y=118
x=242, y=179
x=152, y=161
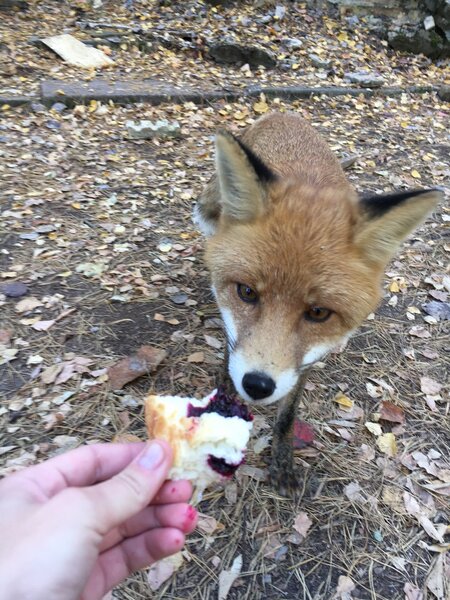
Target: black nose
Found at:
x=258, y=385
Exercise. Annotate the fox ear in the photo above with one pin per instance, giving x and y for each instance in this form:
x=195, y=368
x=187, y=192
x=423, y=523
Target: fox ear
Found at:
x=388, y=219
x=242, y=178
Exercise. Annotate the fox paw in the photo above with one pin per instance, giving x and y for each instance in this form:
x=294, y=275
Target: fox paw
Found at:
x=287, y=481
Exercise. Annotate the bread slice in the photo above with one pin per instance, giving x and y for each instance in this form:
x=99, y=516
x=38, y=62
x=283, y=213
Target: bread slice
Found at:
x=208, y=436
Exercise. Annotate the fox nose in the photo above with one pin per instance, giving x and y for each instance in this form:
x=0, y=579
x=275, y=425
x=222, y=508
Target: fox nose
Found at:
x=258, y=385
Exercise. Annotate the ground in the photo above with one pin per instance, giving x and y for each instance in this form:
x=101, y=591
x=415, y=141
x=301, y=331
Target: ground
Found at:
x=98, y=227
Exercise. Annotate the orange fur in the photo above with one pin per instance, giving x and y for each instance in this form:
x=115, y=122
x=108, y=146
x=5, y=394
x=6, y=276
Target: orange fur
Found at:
x=300, y=238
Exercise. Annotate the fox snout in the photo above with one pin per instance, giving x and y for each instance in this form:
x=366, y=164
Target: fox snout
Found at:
x=258, y=385
x=256, y=382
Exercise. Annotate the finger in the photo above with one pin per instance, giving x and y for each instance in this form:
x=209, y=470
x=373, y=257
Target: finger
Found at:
x=114, y=565
x=112, y=502
x=181, y=516
x=173, y=492
x=81, y=467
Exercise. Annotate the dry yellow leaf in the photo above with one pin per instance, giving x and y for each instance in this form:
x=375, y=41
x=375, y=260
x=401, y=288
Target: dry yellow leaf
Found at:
x=343, y=400
x=261, y=107
x=387, y=444
x=416, y=174
x=342, y=37
x=394, y=287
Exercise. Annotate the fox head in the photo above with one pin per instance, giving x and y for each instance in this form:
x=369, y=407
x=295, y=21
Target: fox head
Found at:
x=295, y=268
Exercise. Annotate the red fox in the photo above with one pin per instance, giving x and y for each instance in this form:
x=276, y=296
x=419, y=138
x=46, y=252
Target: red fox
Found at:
x=296, y=259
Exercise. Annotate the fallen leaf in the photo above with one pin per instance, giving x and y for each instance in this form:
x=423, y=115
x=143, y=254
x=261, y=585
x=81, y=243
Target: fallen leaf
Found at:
x=262, y=443
x=27, y=304
x=353, y=492
x=43, y=325
x=420, y=332
x=374, y=428
x=366, y=452
x=391, y=412
x=412, y=592
x=436, y=577
x=8, y=354
x=91, y=269
x=212, y=341
x=49, y=374
x=343, y=400
x=414, y=509
x=430, y=386
x=392, y=496
x=196, y=357
x=207, y=524
x=146, y=360
x=303, y=434
x=260, y=107
x=344, y=588
x=387, y=444
x=302, y=523
x=227, y=578
x=161, y=570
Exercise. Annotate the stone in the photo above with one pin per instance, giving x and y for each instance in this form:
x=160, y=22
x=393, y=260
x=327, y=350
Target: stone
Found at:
x=10, y=5
x=146, y=130
x=59, y=107
x=320, y=63
x=444, y=93
x=15, y=289
x=292, y=43
x=418, y=41
x=234, y=53
x=37, y=107
x=365, y=79
x=429, y=23
x=126, y=91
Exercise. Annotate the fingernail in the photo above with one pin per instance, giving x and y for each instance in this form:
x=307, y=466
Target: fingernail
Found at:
x=152, y=456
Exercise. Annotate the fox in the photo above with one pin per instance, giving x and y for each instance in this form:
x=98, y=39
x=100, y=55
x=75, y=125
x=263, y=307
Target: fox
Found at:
x=296, y=259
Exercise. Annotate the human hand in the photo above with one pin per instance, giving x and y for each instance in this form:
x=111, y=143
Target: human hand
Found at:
x=76, y=525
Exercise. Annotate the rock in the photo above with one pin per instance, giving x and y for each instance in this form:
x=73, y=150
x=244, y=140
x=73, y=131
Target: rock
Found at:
x=59, y=107
x=234, y=53
x=37, y=107
x=10, y=5
x=444, y=93
x=429, y=23
x=15, y=289
x=280, y=12
x=365, y=79
x=320, y=63
x=146, y=130
x=418, y=41
x=292, y=43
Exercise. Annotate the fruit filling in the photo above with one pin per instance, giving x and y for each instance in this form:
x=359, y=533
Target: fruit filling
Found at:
x=222, y=404
x=220, y=465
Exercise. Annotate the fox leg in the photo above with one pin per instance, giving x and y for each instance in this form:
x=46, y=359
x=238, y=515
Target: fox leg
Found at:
x=282, y=471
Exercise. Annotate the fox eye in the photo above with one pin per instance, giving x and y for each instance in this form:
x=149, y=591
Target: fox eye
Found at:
x=317, y=314
x=247, y=294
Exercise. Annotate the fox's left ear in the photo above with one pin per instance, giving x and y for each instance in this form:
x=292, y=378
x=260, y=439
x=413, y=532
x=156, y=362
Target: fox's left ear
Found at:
x=386, y=220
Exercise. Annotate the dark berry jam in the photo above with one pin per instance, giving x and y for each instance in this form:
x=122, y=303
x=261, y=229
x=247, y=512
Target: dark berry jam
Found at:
x=220, y=465
x=222, y=404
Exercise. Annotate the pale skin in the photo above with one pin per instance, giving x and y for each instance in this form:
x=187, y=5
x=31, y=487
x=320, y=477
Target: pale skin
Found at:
x=77, y=525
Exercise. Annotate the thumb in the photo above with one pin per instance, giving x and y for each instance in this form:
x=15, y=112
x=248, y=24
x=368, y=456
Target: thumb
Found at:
x=131, y=490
